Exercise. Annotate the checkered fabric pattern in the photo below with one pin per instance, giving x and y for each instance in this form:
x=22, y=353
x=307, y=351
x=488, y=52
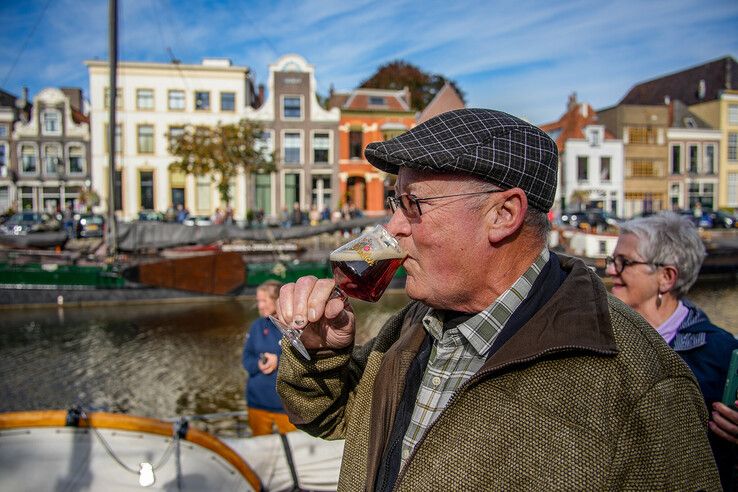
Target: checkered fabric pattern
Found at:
x=492, y=145
x=458, y=353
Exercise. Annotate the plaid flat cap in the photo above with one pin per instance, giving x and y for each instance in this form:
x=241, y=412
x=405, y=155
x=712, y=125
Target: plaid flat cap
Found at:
x=492, y=145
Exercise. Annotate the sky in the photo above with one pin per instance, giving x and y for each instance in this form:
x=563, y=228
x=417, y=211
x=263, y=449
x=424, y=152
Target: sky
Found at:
x=519, y=56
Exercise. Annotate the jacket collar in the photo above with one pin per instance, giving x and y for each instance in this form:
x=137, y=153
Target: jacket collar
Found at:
x=576, y=318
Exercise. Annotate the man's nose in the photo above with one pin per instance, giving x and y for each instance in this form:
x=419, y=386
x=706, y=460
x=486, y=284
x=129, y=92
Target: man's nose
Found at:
x=398, y=224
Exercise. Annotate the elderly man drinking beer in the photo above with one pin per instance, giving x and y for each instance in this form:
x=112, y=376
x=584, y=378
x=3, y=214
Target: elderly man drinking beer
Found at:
x=511, y=368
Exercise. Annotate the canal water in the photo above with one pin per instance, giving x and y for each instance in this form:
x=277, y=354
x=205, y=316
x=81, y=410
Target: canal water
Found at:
x=169, y=360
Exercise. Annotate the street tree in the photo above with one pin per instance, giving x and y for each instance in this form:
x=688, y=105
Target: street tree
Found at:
x=221, y=152
x=399, y=74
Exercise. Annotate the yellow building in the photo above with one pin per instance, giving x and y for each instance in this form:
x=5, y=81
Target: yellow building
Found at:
x=722, y=114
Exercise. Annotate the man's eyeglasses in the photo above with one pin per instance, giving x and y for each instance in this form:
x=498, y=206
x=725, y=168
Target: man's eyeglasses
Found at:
x=621, y=263
x=410, y=204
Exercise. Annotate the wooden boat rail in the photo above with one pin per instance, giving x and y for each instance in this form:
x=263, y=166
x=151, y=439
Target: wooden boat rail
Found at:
x=116, y=421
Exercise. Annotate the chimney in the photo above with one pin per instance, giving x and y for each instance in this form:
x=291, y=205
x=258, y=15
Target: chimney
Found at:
x=74, y=94
x=406, y=91
x=572, y=101
x=728, y=74
x=261, y=94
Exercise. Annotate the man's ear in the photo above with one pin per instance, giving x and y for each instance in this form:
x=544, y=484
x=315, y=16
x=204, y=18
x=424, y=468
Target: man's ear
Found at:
x=506, y=216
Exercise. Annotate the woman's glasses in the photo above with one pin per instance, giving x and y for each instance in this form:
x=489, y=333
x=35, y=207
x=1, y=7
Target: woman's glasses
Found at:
x=410, y=204
x=621, y=263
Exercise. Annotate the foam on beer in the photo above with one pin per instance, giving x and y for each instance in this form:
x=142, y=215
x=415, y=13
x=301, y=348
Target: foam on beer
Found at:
x=353, y=255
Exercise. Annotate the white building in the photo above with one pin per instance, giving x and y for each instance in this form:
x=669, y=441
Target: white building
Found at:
x=155, y=100
x=591, y=161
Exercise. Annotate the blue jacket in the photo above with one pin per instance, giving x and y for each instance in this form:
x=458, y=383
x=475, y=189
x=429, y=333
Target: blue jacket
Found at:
x=707, y=349
x=261, y=389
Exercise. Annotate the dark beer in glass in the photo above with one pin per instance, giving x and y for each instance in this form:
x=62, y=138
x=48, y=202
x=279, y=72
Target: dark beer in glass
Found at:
x=364, y=267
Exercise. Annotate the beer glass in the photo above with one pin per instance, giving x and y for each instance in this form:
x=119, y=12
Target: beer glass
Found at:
x=362, y=268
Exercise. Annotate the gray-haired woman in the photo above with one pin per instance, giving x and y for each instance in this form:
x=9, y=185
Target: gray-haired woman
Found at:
x=655, y=262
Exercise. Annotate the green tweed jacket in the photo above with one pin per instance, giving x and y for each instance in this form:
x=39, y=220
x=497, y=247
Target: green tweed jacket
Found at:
x=585, y=396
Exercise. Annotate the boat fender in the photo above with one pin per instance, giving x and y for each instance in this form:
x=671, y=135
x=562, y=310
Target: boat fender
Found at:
x=73, y=415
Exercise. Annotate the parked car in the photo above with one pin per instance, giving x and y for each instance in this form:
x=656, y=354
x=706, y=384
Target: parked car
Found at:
x=197, y=220
x=28, y=222
x=150, y=216
x=711, y=219
x=89, y=225
x=593, y=218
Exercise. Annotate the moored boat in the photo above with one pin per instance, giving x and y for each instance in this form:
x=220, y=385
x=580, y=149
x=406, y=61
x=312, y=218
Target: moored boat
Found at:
x=59, y=450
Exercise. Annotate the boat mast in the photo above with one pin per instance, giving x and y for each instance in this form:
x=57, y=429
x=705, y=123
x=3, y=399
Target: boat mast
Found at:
x=113, y=47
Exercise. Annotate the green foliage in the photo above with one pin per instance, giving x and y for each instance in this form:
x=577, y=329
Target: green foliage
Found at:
x=399, y=74
x=221, y=152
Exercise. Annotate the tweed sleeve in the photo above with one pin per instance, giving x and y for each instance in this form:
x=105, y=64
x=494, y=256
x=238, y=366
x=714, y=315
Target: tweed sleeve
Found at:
x=318, y=394
x=651, y=455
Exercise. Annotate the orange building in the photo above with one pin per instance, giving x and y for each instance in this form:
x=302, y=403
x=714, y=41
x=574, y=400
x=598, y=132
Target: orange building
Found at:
x=368, y=115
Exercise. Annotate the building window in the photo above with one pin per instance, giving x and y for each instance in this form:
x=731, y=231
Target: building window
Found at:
x=263, y=144
x=321, y=191
x=202, y=100
x=292, y=148
x=145, y=99
x=146, y=179
x=291, y=189
x=594, y=138
x=605, y=169
x=118, y=98
x=28, y=198
x=3, y=160
x=227, y=101
x=263, y=195
x=118, y=139
x=321, y=146
x=28, y=159
x=176, y=100
x=145, y=139
x=4, y=198
x=675, y=193
x=733, y=189
x=676, y=159
x=641, y=135
x=694, y=152
x=52, y=156
x=733, y=146
x=355, y=144
x=51, y=122
x=76, y=159
x=708, y=164
x=291, y=107
x=175, y=133
x=203, y=193
x=642, y=168
x=377, y=101
x=733, y=114
x=582, y=165
x=3, y=130
x=708, y=195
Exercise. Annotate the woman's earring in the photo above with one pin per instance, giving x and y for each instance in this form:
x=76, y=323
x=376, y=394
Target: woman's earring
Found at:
x=659, y=298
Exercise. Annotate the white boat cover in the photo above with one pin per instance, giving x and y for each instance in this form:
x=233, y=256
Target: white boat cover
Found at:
x=317, y=461
x=73, y=459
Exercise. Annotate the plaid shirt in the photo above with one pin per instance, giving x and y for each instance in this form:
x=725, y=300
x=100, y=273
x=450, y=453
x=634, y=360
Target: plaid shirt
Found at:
x=458, y=353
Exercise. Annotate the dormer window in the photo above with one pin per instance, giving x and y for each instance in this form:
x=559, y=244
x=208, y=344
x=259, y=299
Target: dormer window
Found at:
x=51, y=122
x=689, y=122
x=595, y=137
x=377, y=101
